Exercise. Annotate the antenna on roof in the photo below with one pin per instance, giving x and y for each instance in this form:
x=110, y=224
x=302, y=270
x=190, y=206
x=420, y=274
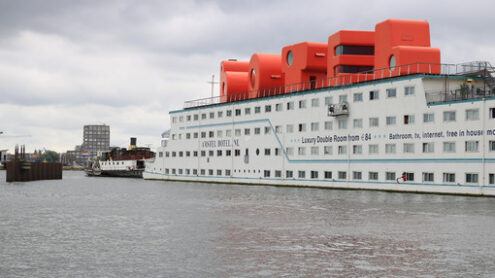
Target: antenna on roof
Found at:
x=212, y=82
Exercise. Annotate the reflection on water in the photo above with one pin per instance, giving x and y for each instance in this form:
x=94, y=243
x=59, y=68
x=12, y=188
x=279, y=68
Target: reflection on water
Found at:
x=111, y=227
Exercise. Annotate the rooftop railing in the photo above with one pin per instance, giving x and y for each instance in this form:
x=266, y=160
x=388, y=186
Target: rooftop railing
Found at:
x=467, y=69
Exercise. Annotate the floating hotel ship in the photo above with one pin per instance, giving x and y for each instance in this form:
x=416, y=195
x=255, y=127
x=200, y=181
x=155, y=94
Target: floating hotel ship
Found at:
x=367, y=110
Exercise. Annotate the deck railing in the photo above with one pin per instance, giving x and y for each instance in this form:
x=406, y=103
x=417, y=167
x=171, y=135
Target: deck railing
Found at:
x=352, y=79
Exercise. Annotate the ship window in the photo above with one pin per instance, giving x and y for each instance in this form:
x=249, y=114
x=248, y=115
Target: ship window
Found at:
x=491, y=113
x=174, y=119
x=211, y=134
x=289, y=174
x=428, y=118
x=188, y=171
x=266, y=173
x=373, y=176
x=410, y=176
x=219, y=152
x=491, y=178
x=328, y=174
x=195, y=153
x=247, y=110
x=257, y=109
x=428, y=177
x=449, y=147
x=358, y=123
x=257, y=151
x=219, y=172
x=203, y=153
x=373, y=122
x=471, y=178
x=449, y=116
x=210, y=172
x=390, y=176
x=391, y=92
x=408, y=119
x=167, y=171
x=195, y=135
x=357, y=149
x=181, y=154
x=219, y=114
x=302, y=127
x=278, y=129
x=315, y=150
x=227, y=172
x=219, y=133
x=342, y=149
x=289, y=151
x=238, y=112
x=342, y=124
x=203, y=134
x=188, y=153
x=167, y=154
x=267, y=130
x=228, y=133
x=327, y=150
x=408, y=91
x=174, y=154
x=491, y=146
x=301, y=151
x=328, y=100
x=354, y=50
x=160, y=154
x=315, y=102
x=373, y=95
x=278, y=107
x=358, y=97
x=343, y=98
x=391, y=120
x=268, y=108
x=342, y=175
x=315, y=126
x=212, y=115
x=188, y=135
x=237, y=132
x=203, y=116
x=290, y=105
x=328, y=125
x=472, y=146
x=278, y=173
x=357, y=175
x=390, y=148
x=180, y=171
x=302, y=104
x=228, y=152
x=408, y=147
x=257, y=130
x=301, y=174
x=247, y=131
x=196, y=117
x=428, y=147
x=237, y=152
x=448, y=177
x=277, y=151
x=289, y=128
x=314, y=174
x=472, y=115
x=173, y=171
x=267, y=151
x=188, y=118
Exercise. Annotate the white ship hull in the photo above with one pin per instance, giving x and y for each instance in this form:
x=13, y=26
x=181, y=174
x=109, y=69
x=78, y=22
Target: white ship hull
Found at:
x=443, y=146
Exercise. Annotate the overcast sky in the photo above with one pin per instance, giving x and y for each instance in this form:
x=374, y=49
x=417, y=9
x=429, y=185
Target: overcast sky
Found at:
x=127, y=63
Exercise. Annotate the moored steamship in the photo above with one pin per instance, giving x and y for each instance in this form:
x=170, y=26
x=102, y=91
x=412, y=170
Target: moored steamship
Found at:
x=367, y=110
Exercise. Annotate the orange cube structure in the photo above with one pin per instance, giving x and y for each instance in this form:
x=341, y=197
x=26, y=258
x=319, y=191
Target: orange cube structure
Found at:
x=350, y=52
x=404, y=46
x=265, y=75
x=304, y=65
x=233, y=78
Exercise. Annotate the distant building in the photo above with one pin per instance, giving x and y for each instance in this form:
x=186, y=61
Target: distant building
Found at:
x=96, y=138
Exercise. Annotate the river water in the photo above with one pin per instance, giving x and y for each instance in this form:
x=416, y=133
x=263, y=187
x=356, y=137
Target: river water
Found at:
x=115, y=227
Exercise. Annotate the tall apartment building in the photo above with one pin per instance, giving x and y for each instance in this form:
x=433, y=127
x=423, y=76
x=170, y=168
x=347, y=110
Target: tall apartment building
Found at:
x=96, y=139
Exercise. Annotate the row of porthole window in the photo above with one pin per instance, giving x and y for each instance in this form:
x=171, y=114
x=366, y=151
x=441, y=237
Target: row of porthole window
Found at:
x=341, y=175
x=391, y=148
x=448, y=116
x=315, y=102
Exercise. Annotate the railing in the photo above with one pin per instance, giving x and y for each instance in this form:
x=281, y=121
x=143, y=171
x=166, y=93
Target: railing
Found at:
x=457, y=95
x=350, y=79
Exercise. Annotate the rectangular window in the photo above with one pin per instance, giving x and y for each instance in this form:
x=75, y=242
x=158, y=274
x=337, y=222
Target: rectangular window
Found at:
x=278, y=107
x=188, y=135
x=408, y=147
x=219, y=152
x=219, y=133
x=373, y=149
x=227, y=172
x=314, y=174
x=373, y=176
x=228, y=152
x=212, y=115
x=203, y=116
x=408, y=119
x=429, y=147
x=301, y=174
x=357, y=175
x=289, y=151
x=315, y=102
x=342, y=175
x=301, y=151
x=410, y=176
x=257, y=109
x=342, y=123
x=449, y=147
x=315, y=126
x=491, y=178
x=358, y=97
x=267, y=151
x=267, y=130
x=195, y=153
x=195, y=135
x=428, y=177
x=196, y=117
x=327, y=150
x=289, y=174
x=247, y=131
x=390, y=176
x=228, y=133
x=329, y=100
x=328, y=174
x=290, y=105
x=278, y=173
x=491, y=113
x=278, y=129
x=491, y=146
x=328, y=125
x=357, y=149
x=373, y=95
x=343, y=98
x=373, y=122
x=428, y=118
x=409, y=90
x=448, y=177
x=390, y=148
x=268, y=108
x=266, y=173
x=449, y=116
x=302, y=104
x=289, y=128
x=342, y=149
x=392, y=92
x=471, y=178
x=472, y=146
x=277, y=151
x=315, y=150
x=188, y=118
x=203, y=172
x=219, y=172
x=211, y=134
x=257, y=130
x=472, y=114
x=228, y=113
x=237, y=132
x=237, y=152
x=219, y=114
x=247, y=111
x=391, y=120
x=302, y=127
x=203, y=134
x=358, y=123
x=210, y=172
x=210, y=153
